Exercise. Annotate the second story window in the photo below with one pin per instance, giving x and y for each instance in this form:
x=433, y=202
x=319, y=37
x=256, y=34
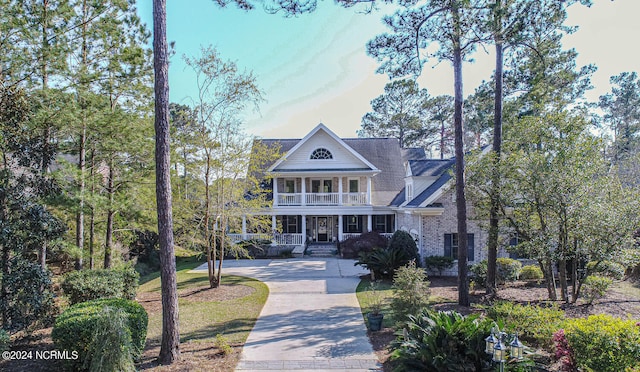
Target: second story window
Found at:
x=321, y=154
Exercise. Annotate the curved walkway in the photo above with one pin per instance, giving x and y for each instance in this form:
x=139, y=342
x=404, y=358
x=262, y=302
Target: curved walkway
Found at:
x=311, y=320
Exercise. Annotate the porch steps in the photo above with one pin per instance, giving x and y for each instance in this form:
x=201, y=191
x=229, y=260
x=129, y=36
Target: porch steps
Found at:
x=322, y=250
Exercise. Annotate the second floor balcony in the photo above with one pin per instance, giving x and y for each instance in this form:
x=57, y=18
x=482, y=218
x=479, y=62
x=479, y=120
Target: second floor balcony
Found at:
x=322, y=198
x=322, y=190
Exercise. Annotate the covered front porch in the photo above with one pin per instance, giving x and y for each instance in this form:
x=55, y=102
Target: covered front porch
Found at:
x=302, y=229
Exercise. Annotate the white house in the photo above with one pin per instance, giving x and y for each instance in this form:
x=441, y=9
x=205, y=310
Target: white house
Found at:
x=327, y=189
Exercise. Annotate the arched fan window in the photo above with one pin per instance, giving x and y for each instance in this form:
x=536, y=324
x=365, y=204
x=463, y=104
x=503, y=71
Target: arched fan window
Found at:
x=321, y=154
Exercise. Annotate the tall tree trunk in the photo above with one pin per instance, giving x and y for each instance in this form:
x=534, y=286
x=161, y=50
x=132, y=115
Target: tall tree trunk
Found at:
x=492, y=242
x=92, y=213
x=209, y=238
x=82, y=141
x=461, y=203
x=6, y=255
x=550, y=278
x=170, y=344
x=108, y=244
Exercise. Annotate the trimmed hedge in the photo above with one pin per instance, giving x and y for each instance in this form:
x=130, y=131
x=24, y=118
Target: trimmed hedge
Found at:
x=508, y=269
x=531, y=272
x=438, y=263
x=86, y=285
x=74, y=329
x=603, y=343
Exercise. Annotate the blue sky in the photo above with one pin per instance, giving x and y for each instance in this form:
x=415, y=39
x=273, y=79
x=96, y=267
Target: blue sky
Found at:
x=314, y=68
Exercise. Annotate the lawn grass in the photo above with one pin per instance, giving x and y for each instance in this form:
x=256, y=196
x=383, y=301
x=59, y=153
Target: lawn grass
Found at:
x=201, y=321
x=365, y=296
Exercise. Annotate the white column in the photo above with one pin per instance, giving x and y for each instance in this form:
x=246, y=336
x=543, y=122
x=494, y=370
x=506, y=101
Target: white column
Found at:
x=275, y=191
x=340, y=228
x=369, y=223
x=244, y=227
x=304, y=191
x=304, y=228
x=369, y=190
x=274, y=223
x=340, y=179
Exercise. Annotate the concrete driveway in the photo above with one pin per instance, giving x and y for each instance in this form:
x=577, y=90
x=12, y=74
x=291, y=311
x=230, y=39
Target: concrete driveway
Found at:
x=311, y=320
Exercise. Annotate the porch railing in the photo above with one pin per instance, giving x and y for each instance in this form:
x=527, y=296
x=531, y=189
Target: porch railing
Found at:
x=290, y=199
x=280, y=239
x=354, y=198
x=346, y=236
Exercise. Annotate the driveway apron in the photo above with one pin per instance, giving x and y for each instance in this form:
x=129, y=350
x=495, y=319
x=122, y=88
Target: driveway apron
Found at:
x=311, y=320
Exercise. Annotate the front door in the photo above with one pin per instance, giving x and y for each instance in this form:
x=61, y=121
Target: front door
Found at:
x=323, y=229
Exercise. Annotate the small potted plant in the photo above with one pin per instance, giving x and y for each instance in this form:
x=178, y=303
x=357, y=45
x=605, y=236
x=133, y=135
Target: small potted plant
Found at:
x=375, y=316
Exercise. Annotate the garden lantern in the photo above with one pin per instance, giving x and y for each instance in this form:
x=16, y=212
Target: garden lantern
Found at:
x=516, y=348
x=499, y=352
x=489, y=342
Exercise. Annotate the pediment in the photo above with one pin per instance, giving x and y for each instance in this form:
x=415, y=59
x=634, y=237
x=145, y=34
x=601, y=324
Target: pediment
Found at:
x=322, y=149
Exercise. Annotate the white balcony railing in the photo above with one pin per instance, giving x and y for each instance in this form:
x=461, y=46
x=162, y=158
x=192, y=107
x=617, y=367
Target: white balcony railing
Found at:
x=354, y=198
x=290, y=199
x=322, y=198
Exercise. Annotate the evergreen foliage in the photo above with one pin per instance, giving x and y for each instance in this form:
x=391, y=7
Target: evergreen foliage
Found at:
x=75, y=328
x=410, y=291
x=85, y=285
x=442, y=341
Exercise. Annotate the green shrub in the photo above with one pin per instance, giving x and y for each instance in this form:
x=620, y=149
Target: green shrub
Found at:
x=602, y=343
x=534, y=324
x=86, y=285
x=595, y=287
x=442, y=341
x=402, y=241
x=438, y=263
x=111, y=348
x=74, y=328
x=5, y=340
x=479, y=272
x=29, y=302
x=410, y=291
x=531, y=272
x=383, y=262
x=609, y=269
x=507, y=269
x=223, y=345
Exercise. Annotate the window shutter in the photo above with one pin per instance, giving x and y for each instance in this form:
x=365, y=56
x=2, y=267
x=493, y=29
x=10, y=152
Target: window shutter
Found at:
x=447, y=245
x=470, y=247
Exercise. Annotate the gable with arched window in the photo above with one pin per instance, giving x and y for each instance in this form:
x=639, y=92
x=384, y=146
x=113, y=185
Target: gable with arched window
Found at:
x=321, y=153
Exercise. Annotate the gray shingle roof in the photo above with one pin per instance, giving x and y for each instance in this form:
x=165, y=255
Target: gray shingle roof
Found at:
x=430, y=167
x=415, y=153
